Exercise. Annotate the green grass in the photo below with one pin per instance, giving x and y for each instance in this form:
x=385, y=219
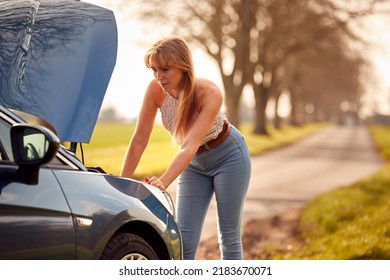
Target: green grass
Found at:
x=109, y=143
x=351, y=222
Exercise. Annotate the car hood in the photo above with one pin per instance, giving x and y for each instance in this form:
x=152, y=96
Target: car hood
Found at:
x=56, y=60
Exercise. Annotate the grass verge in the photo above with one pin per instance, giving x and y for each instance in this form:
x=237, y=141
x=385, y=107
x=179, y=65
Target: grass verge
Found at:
x=349, y=223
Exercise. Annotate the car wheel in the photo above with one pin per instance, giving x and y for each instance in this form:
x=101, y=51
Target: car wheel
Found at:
x=127, y=246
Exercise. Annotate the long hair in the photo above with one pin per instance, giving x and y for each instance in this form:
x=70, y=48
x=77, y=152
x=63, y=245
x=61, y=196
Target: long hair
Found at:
x=175, y=52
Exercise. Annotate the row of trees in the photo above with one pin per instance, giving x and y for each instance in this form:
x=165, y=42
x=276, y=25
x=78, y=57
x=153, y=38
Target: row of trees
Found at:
x=312, y=50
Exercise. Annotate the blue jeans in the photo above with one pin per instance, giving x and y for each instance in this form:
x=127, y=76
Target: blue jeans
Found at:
x=224, y=171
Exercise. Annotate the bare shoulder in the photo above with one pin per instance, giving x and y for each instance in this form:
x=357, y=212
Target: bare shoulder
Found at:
x=207, y=91
x=154, y=91
x=153, y=86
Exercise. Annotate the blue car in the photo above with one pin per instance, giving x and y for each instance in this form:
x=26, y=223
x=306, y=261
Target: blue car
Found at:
x=56, y=60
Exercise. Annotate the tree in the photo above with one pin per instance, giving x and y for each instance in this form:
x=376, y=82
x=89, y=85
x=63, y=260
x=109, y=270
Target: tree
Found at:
x=253, y=40
x=221, y=28
x=293, y=28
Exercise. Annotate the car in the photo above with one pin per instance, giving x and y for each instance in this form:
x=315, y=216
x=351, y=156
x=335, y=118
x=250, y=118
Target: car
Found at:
x=51, y=205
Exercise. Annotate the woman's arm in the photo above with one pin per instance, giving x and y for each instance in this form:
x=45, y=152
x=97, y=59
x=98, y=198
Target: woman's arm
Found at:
x=142, y=131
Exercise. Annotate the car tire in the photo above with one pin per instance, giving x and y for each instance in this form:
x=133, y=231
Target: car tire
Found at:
x=128, y=246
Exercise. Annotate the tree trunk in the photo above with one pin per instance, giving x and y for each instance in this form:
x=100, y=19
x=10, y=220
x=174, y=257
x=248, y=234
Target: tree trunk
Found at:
x=232, y=109
x=261, y=98
x=294, y=118
x=277, y=118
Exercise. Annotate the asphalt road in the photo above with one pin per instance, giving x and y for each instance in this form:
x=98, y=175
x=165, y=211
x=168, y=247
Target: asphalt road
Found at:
x=290, y=176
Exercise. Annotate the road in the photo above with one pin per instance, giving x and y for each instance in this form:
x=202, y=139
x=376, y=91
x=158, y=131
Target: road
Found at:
x=290, y=176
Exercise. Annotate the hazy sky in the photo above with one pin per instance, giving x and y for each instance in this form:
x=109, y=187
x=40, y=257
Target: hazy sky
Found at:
x=130, y=76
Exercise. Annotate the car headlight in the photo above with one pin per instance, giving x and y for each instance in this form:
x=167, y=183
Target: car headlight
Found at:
x=164, y=197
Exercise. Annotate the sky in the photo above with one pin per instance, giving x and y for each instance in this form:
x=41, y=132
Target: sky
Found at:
x=131, y=77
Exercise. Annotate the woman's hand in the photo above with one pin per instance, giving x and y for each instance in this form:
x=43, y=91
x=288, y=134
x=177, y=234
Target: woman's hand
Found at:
x=156, y=182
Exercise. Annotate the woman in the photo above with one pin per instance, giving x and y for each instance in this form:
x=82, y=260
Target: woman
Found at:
x=212, y=158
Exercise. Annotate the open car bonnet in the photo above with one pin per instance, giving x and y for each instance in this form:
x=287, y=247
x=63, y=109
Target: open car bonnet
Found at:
x=56, y=60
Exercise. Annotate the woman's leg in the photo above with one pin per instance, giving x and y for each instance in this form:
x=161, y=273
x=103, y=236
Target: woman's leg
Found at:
x=225, y=171
x=230, y=186
x=194, y=193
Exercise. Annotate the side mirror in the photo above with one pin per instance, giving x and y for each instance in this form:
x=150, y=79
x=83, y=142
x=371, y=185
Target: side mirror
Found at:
x=32, y=146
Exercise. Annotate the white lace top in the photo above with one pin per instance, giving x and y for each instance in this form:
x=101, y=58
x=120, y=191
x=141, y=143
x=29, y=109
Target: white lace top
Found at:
x=168, y=109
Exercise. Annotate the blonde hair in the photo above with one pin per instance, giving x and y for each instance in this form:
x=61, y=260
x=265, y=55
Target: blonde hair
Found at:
x=175, y=52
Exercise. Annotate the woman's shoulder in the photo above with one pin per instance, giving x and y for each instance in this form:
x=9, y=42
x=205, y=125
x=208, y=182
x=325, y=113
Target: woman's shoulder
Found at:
x=154, y=90
x=206, y=88
x=154, y=86
x=204, y=82
x=207, y=92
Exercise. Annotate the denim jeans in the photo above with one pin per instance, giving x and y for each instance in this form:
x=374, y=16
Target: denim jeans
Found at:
x=224, y=171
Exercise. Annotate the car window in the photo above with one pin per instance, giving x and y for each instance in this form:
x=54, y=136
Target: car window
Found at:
x=5, y=140
x=58, y=162
x=6, y=148
x=3, y=154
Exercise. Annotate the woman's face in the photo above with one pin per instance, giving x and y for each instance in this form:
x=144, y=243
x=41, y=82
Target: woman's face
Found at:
x=169, y=78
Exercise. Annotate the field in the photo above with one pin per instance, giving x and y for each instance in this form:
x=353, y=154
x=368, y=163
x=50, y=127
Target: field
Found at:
x=109, y=143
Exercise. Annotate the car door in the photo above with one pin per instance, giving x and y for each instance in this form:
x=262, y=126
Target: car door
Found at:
x=35, y=220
